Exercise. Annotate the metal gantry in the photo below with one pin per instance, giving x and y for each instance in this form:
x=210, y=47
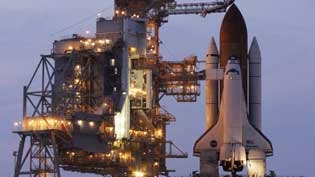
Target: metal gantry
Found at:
x=71, y=89
x=39, y=100
x=38, y=154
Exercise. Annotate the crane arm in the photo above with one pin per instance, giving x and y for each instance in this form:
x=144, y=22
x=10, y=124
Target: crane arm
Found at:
x=197, y=8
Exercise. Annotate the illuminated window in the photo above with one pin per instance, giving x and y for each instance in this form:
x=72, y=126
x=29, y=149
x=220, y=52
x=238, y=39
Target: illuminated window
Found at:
x=132, y=50
x=112, y=62
x=116, y=71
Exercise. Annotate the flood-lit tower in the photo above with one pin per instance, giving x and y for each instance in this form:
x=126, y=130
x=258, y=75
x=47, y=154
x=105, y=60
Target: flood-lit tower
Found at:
x=97, y=108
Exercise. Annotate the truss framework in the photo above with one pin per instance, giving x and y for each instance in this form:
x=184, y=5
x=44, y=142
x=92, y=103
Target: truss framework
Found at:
x=38, y=102
x=40, y=158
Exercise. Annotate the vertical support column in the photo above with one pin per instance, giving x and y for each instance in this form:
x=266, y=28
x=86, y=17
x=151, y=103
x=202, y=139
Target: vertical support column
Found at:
x=24, y=101
x=31, y=156
x=18, y=164
x=40, y=160
x=43, y=86
x=56, y=155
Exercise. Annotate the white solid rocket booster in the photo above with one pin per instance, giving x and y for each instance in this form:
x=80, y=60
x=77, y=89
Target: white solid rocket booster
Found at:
x=212, y=62
x=255, y=84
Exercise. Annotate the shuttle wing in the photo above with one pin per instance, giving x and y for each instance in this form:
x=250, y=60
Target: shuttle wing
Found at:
x=211, y=139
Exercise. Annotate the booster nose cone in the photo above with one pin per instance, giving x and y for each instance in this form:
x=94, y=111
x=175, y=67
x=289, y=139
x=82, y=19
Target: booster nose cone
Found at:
x=254, y=51
x=212, y=51
x=233, y=41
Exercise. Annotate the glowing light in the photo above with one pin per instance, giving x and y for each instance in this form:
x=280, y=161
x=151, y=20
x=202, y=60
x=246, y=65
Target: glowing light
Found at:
x=76, y=81
x=101, y=41
x=92, y=124
x=99, y=50
x=122, y=125
x=80, y=122
x=108, y=41
x=133, y=50
x=87, y=32
x=86, y=43
x=16, y=124
x=158, y=133
x=112, y=62
x=117, y=11
x=77, y=70
x=43, y=123
x=30, y=122
x=138, y=174
x=70, y=48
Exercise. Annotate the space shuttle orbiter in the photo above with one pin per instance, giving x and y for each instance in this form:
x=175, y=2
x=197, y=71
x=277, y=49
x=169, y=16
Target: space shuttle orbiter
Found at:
x=233, y=137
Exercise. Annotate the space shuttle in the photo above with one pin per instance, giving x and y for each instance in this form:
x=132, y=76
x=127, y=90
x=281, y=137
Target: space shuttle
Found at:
x=233, y=138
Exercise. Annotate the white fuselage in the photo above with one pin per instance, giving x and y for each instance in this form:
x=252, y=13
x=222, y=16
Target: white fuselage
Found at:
x=231, y=103
x=232, y=112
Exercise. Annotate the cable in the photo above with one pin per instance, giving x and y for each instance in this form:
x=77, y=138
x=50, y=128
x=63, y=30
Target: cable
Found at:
x=81, y=21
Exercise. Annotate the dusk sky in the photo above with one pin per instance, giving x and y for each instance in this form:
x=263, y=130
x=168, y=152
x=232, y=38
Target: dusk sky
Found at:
x=285, y=30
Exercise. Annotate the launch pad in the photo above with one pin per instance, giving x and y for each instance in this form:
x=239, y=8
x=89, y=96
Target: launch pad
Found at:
x=93, y=104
